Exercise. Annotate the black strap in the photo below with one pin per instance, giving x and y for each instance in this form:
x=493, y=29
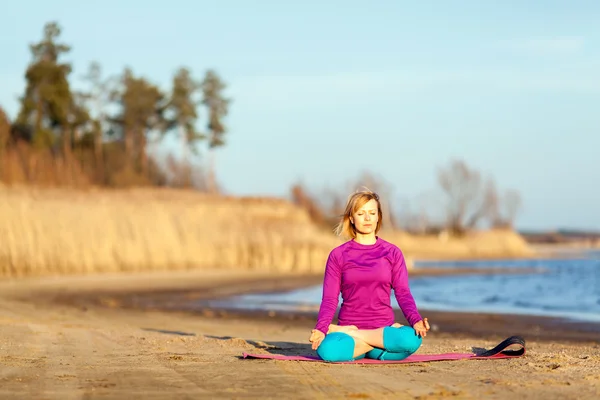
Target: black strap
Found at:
x=501, y=348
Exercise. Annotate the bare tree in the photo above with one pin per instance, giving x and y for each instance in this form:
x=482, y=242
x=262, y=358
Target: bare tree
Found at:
x=507, y=210
x=468, y=198
x=418, y=216
x=488, y=208
x=512, y=204
x=301, y=196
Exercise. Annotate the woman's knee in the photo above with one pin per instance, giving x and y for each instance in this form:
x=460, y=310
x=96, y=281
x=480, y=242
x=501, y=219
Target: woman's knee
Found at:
x=337, y=346
x=401, y=340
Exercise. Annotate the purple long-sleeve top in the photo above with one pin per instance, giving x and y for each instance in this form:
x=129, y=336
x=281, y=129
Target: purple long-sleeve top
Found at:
x=365, y=275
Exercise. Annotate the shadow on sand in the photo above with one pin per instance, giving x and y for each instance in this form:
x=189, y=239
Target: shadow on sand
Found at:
x=167, y=332
x=280, y=348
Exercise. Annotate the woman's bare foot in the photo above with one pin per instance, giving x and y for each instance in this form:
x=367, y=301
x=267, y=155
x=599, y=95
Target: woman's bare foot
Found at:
x=339, y=328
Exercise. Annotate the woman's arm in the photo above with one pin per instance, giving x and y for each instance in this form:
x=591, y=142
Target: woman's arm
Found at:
x=331, y=293
x=402, y=291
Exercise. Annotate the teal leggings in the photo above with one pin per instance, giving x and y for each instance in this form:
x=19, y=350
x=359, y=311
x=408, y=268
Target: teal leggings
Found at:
x=398, y=344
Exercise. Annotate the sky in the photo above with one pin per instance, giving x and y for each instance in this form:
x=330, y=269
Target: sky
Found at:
x=323, y=91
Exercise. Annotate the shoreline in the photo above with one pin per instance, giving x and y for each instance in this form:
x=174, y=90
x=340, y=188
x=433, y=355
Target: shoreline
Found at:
x=196, y=301
x=543, y=254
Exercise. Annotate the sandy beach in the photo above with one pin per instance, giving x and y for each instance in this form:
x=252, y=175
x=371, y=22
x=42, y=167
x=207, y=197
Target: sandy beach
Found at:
x=71, y=338
x=175, y=186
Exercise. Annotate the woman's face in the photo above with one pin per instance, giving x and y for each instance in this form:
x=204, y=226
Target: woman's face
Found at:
x=365, y=218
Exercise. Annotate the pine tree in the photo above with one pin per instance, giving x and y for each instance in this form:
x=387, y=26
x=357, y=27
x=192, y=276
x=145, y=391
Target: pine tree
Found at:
x=97, y=98
x=218, y=107
x=47, y=105
x=182, y=108
x=141, y=106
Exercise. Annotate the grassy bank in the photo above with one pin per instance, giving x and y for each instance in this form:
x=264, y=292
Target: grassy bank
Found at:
x=61, y=232
x=48, y=232
x=479, y=244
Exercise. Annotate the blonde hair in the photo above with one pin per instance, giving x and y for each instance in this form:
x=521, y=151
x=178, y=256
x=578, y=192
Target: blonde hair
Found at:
x=355, y=201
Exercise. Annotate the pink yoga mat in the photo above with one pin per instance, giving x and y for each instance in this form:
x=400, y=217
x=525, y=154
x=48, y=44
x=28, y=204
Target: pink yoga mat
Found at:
x=497, y=352
x=411, y=359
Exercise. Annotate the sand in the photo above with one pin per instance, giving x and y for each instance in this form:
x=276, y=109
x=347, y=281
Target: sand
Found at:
x=56, y=342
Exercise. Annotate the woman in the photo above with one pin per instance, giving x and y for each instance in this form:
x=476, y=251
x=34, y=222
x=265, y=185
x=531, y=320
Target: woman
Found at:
x=364, y=270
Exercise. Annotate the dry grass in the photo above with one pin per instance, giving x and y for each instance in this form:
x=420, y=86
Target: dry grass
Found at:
x=63, y=231
x=23, y=164
x=54, y=231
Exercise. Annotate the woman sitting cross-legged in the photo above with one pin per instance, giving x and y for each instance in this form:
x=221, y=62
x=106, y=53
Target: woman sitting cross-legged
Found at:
x=364, y=270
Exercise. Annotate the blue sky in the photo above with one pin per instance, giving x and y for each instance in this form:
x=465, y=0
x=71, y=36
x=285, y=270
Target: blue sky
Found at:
x=325, y=90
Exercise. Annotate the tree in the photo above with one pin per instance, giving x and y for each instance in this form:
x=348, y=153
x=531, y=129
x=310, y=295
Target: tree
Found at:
x=183, y=115
x=217, y=105
x=74, y=124
x=302, y=198
x=466, y=201
x=141, y=107
x=512, y=203
x=505, y=209
x=79, y=117
x=420, y=216
x=47, y=104
x=97, y=99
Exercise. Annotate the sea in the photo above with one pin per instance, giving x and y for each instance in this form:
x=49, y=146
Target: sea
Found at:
x=567, y=286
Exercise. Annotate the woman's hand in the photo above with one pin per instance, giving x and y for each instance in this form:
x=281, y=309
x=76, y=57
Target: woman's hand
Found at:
x=421, y=327
x=316, y=337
